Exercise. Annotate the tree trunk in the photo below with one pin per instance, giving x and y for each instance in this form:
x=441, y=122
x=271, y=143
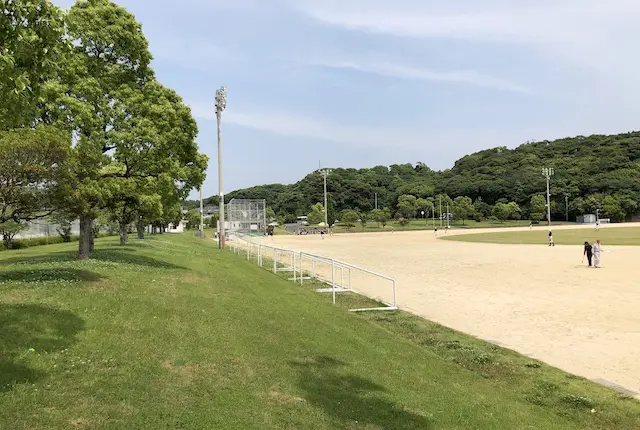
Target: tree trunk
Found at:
x=124, y=233
x=85, y=245
x=7, y=238
x=140, y=228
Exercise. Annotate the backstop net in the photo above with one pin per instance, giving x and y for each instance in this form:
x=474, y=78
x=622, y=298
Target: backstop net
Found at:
x=247, y=217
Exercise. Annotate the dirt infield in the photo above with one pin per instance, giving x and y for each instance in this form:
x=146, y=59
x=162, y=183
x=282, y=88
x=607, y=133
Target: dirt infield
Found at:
x=537, y=300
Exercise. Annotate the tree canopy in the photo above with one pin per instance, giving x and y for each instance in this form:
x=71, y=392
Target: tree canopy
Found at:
x=587, y=170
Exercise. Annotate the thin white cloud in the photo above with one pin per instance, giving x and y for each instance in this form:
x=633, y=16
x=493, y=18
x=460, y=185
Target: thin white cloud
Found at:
x=291, y=124
x=469, y=77
x=445, y=145
x=587, y=32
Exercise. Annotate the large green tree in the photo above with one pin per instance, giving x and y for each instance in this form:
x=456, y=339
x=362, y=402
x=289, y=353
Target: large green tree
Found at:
x=316, y=216
x=129, y=128
x=463, y=208
x=31, y=44
x=33, y=167
x=538, y=207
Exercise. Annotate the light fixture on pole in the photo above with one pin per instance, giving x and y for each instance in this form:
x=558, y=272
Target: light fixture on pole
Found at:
x=548, y=172
x=423, y=217
x=221, y=105
x=325, y=173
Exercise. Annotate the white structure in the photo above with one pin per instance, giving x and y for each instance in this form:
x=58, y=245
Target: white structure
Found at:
x=177, y=228
x=246, y=216
x=586, y=219
x=42, y=228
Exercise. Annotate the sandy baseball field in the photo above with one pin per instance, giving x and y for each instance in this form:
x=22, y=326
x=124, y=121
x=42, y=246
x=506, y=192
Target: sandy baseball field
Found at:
x=537, y=300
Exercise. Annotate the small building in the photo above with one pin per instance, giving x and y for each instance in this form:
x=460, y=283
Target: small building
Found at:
x=586, y=219
x=209, y=210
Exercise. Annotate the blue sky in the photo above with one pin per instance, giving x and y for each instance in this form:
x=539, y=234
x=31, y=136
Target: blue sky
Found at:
x=358, y=83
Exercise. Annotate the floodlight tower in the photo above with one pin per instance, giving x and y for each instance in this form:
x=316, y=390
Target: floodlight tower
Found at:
x=325, y=173
x=221, y=105
x=548, y=172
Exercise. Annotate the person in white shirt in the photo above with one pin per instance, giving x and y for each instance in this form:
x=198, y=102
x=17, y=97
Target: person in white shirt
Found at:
x=597, y=248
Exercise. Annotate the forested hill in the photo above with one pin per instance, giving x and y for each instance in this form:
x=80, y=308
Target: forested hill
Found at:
x=594, y=172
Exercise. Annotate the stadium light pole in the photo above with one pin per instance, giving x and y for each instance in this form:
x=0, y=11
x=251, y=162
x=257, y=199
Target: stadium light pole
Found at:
x=548, y=172
x=221, y=105
x=324, y=174
x=448, y=225
x=433, y=214
x=440, y=211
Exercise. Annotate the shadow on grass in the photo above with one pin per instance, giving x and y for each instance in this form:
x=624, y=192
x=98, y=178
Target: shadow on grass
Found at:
x=47, y=275
x=119, y=255
x=351, y=399
x=32, y=329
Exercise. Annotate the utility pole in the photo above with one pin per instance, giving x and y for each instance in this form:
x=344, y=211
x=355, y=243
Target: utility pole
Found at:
x=448, y=225
x=201, y=216
x=548, y=172
x=221, y=104
x=566, y=200
x=433, y=214
x=440, y=211
x=324, y=174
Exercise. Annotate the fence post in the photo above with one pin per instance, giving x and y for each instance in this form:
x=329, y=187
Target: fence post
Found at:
x=341, y=277
x=301, y=272
x=333, y=279
x=394, y=293
x=293, y=265
x=313, y=268
x=275, y=260
x=260, y=255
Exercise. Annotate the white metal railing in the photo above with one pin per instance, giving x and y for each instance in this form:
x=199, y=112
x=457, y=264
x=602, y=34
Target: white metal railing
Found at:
x=303, y=265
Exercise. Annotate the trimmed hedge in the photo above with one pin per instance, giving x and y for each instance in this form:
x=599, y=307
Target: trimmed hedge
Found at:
x=44, y=240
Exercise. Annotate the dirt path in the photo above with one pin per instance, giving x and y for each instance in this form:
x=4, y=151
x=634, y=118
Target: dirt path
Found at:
x=537, y=300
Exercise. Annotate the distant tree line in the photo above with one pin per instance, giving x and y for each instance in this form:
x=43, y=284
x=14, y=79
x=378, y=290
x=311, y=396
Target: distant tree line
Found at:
x=591, y=173
x=86, y=130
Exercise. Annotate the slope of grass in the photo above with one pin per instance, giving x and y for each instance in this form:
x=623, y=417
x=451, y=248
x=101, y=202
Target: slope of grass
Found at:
x=173, y=333
x=608, y=236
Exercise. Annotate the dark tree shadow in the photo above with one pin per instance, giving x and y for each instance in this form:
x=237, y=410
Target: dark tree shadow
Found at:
x=31, y=327
x=109, y=254
x=352, y=399
x=44, y=275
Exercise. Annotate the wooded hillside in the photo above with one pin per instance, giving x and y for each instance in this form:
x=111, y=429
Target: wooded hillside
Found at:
x=595, y=172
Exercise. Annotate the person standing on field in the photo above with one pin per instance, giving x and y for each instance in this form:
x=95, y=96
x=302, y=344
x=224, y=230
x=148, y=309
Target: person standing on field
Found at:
x=588, y=252
x=598, y=225
x=551, y=242
x=597, y=248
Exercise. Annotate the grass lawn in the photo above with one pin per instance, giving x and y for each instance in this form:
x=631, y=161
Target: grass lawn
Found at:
x=172, y=333
x=421, y=224
x=608, y=236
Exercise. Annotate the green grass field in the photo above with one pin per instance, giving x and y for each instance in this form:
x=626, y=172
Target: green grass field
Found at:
x=608, y=236
x=172, y=333
x=421, y=224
